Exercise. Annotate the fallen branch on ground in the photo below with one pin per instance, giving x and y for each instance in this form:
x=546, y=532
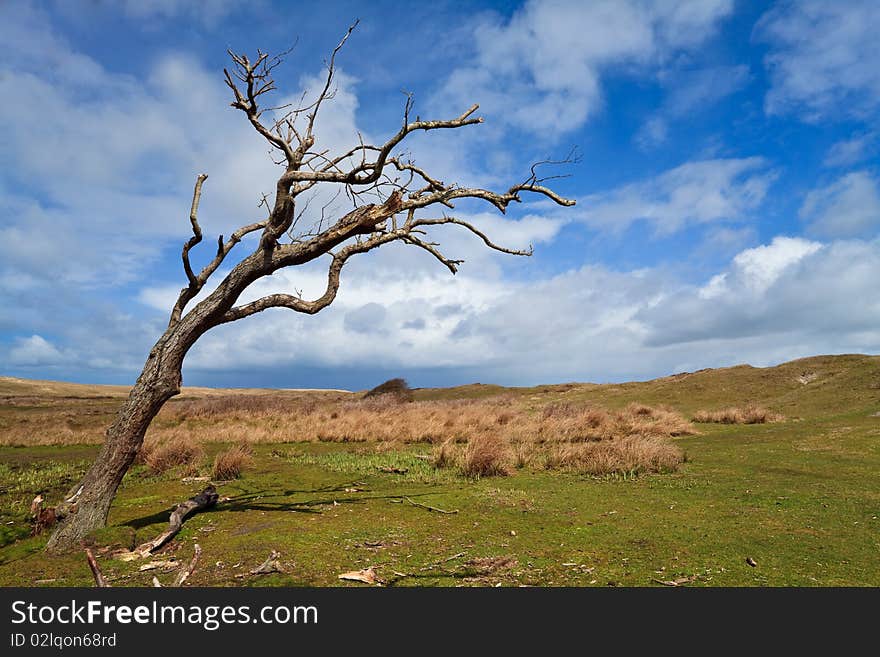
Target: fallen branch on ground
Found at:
x=96, y=571
x=675, y=582
x=184, y=572
x=424, y=506
x=270, y=565
x=204, y=500
x=437, y=564
x=367, y=576
x=187, y=571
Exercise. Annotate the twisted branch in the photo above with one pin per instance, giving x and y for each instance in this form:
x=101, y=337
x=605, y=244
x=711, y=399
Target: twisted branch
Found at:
x=364, y=172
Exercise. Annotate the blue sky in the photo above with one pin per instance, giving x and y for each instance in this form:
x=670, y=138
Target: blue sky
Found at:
x=728, y=191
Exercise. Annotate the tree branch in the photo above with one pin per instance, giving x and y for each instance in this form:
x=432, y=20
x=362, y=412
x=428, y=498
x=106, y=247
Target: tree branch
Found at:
x=375, y=168
x=331, y=69
x=431, y=247
x=196, y=283
x=475, y=231
x=100, y=580
x=257, y=80
x=197, y=230
x=310, y=307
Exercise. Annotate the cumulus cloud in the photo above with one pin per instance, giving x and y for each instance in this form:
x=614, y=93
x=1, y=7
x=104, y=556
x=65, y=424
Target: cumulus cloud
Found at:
x=792, y=289
x=789, y=298
x=369, y=318
x=692, y=193
x=758, y=268
x=34, y=351
x=541, y=70
x=848, y=207
x=822, y=61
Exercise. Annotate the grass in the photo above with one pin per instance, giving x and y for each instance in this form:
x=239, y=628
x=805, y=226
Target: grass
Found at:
x=751, y=414
x=486, y=456
x=161, y=456
x=796, y=496
x=20, y=483
x=230, y=463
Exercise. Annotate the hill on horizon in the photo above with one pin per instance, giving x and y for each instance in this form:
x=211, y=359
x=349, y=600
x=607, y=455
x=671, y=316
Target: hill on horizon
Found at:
x=815, y=385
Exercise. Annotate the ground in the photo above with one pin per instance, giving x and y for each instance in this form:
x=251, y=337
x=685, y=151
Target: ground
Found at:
x=799, y=499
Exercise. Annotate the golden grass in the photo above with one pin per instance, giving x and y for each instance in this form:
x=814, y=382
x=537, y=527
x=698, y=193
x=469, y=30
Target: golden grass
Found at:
x=751, y=414
x=486, y=456
x=481, y=437
x=635, y=454
x=162, y=455
x=229, y=463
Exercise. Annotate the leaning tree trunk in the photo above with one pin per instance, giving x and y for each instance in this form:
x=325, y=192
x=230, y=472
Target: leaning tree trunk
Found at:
x=88, y=503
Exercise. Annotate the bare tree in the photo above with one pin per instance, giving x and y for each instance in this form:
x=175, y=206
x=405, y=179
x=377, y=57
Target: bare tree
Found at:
x=392, y=200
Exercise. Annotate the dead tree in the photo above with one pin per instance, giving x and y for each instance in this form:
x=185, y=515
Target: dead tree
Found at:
x=391, y=200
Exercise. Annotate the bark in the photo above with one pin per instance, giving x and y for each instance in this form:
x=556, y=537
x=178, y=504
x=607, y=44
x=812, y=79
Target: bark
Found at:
x=88, y=504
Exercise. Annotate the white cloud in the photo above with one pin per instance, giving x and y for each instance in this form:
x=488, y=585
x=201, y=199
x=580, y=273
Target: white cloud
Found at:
x=758, y=268
x=542, y=69
x=786, y=299
x=693, y=193
x=851, y=151
x=817, y=296
x=848, y=207
x=122, y=154
x=34, y=351
x=115, y=158
x=823, y=59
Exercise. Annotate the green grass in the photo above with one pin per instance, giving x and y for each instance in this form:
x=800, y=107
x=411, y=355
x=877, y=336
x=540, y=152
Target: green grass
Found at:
x=800, y=498
x=21, y=482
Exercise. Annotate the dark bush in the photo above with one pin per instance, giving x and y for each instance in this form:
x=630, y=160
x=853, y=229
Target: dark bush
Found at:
x=398, y=389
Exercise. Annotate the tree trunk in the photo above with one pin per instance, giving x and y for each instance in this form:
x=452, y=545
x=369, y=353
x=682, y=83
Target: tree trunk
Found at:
x=88, y=503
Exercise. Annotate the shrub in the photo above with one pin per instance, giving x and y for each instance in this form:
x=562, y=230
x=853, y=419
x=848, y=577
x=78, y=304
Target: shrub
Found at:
x=229, y=463
x=396, y=389
x=162, y=456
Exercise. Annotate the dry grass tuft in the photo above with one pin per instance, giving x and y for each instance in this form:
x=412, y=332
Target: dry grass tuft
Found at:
x=230, y=463
x=445, y=455
x=751, y=414
x=486, y=456
x=627, y=455
x=162, y=455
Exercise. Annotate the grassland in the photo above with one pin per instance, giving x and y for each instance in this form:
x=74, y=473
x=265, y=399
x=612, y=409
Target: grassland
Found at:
x=798, y=496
